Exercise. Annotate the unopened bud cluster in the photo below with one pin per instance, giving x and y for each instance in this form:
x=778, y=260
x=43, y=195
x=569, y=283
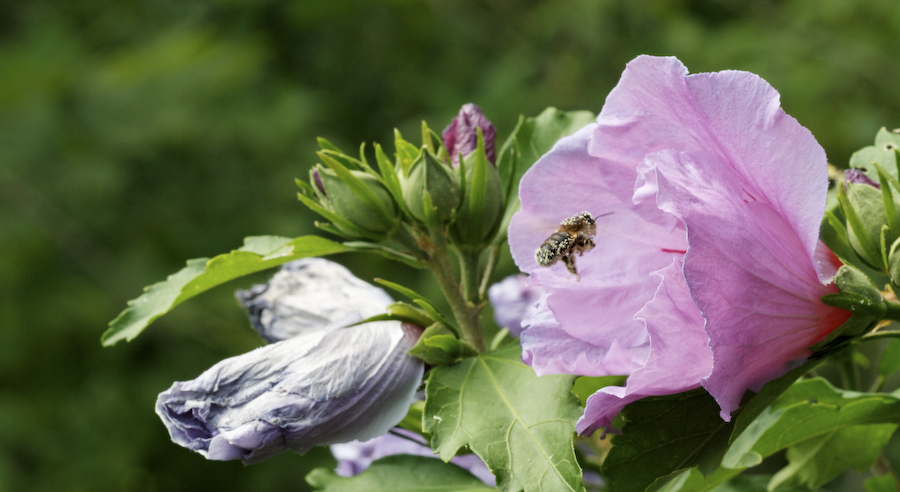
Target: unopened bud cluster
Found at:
x=872, y=214
x=449, y=183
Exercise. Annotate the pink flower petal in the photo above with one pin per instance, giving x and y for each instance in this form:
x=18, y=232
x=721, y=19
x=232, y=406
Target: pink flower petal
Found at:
x=748, y=272
x=709, y=156
x=614, y=277
x=679, y=355
x=548, y=349
x=735, y=116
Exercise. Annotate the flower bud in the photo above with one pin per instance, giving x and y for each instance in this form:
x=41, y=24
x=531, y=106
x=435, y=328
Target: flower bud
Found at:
x=461, y=135
x=858, y=176
x=871, y=213
x=319, y=388
x=309, y=295
x=340, y=197
x=482, y=201
x=428, y=173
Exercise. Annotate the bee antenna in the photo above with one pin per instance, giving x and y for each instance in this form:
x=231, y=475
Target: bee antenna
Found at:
x=604, y=215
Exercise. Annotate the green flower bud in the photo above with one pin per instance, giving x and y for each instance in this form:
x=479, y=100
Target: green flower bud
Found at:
x=860, y=297
x=871, y=213
x=429, y=173
x=344, y=200
x=482, y=202
x=894, y=262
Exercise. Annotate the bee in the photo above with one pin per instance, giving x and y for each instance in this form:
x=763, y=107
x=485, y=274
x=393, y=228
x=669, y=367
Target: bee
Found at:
x=573, y=236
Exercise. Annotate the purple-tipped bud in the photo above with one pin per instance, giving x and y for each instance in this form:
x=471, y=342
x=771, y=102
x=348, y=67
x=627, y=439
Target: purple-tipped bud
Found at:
x=315, y=389
x=316, y=384
x=461, y=136
x=309, y=295
x=853, y=176
x=318, y=180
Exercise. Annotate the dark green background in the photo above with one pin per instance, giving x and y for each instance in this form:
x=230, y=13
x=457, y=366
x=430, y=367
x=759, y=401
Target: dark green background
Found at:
x=139, y=133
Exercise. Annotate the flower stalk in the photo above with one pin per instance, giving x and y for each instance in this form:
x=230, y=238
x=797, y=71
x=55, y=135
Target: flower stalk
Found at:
x=466, y=314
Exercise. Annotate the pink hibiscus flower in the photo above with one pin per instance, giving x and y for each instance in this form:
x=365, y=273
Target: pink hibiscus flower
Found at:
x=709, y=269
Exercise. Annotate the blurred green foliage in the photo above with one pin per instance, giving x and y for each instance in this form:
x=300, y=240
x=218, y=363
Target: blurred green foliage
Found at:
x=137, y=134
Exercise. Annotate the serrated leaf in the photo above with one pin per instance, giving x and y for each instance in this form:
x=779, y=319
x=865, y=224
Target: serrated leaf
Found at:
x=520, y=425
x=400, y=473
x=258, y=253
x=662, y=437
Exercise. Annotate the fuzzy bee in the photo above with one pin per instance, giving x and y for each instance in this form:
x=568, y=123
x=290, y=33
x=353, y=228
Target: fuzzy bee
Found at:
x=573, y=236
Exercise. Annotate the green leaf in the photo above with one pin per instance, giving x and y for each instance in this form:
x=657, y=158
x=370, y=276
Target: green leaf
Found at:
x=401, y=289
x=665, y=435
x=258, y=253
x=521, y=425
x=826, y=429
x=439, y=346
x=694, y=481
x=819, y=460
x=884, y=483
x=387, y=252
x=532, y=138
x=421, y=301
x=413, y=419
x=808, y=409
x=400, y=473
x=586, y=386
x=411, y=313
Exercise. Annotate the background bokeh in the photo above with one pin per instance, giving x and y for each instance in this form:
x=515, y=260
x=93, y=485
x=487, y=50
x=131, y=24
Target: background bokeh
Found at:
x=139, y=133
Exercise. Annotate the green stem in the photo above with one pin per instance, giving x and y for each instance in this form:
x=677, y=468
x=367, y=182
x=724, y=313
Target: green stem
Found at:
x=892, y=311
x=468, y=267
x=466, y=314
x=493, y=257
x=848, y=370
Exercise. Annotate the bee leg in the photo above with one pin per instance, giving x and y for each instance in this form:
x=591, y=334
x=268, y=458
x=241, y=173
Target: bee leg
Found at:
x=587, y=244
x=569, y=260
